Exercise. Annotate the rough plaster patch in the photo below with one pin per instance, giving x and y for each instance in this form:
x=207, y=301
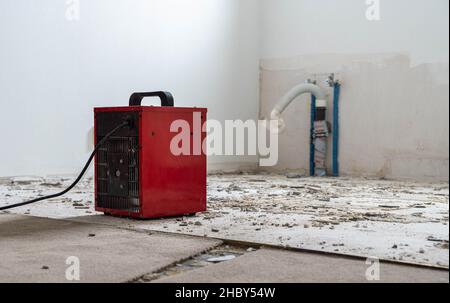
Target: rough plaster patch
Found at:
x=388, y=110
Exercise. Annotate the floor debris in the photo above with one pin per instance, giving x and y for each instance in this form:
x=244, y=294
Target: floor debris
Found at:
x=393, y=220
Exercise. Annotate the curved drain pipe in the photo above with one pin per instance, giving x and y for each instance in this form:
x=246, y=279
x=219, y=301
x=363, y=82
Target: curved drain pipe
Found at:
x=320, y=130
x=298, y=90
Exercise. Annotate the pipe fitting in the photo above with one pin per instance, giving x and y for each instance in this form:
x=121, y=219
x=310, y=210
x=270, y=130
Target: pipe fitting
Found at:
x=290, y=96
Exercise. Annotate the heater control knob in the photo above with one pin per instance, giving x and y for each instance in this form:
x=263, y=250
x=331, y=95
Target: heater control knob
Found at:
x=117, y=173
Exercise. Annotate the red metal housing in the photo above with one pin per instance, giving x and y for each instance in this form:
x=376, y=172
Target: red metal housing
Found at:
x=136, y=174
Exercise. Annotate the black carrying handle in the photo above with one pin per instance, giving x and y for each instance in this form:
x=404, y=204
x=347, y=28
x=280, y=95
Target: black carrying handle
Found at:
x=166, y=98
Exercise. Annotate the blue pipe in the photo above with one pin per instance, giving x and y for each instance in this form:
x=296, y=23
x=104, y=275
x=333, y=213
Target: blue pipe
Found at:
x=337, y=91
x=312, y=166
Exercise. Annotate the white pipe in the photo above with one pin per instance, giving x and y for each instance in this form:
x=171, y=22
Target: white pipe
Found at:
x=298, y=90
x=288, y=98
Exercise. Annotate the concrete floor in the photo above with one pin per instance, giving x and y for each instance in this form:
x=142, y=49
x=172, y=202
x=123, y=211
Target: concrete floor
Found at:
x=274, y=265
x=391, y=220
x=402, y=221
x=36, y=250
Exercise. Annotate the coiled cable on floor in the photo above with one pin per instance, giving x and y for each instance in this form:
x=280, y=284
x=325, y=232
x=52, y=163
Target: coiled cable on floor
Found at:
x=88, y=163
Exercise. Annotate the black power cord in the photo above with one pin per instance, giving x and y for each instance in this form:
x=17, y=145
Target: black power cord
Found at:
x=97, y=147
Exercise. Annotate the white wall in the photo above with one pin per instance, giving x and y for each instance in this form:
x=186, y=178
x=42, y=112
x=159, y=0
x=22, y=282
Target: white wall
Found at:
x=394, y=73
x=295, y=27
x=53, y=72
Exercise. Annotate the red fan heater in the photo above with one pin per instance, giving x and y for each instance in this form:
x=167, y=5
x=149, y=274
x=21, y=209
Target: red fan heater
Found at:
x=136, y=174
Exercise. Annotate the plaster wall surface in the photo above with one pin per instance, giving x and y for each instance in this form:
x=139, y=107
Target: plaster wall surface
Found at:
x=394, y=75
x=393, y=117
x=55, y=70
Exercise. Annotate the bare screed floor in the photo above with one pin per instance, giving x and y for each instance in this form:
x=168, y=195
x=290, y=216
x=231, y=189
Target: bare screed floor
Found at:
x=402, y=221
